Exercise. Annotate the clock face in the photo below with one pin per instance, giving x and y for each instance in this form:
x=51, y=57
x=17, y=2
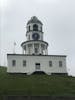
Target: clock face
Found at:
x=35, y=36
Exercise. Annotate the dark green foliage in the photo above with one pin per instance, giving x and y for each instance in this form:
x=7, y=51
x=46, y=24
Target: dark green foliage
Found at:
x=21, y=84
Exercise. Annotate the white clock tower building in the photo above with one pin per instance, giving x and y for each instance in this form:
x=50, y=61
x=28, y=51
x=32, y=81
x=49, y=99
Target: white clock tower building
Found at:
x=35, y=58
x=35, y=44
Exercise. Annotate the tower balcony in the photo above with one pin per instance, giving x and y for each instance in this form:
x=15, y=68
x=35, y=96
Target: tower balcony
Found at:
x=35, y=47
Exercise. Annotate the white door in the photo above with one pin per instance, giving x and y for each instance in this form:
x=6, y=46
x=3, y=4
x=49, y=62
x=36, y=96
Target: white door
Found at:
x=37, y=66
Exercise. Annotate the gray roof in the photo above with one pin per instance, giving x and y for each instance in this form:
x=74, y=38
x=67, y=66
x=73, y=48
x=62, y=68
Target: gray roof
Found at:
x=34, y=19
x=36, y=55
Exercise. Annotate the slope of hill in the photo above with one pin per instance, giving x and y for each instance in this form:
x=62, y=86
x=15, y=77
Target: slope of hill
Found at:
x=20, y=84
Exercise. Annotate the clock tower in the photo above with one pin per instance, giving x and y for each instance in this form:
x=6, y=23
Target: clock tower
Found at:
x=35, y=58
x=35, y=45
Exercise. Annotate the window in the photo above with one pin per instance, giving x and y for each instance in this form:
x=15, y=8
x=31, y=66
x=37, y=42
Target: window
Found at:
x=36, y=50
x=29, y=50
x=37, y=66
x=41, y=29
x=60, y=63
x=29, y=37
x=35, y=27
x=24, y=62
x=13, y=62
x=29, y=28
x=50, y=63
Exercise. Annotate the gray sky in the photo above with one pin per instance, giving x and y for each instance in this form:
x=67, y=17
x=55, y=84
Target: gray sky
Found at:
x=58, y=18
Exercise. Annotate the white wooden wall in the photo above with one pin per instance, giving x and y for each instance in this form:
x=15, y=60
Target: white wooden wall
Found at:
x=30, y=64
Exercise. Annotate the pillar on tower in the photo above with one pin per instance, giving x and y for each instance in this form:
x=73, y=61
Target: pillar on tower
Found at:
x=22, y=50
x=40, y=49
x=33, y=48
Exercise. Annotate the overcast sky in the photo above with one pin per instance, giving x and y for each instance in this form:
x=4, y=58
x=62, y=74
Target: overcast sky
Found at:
x=58, y=18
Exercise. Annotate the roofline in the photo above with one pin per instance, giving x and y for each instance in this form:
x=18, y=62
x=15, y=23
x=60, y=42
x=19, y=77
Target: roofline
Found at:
x=36, y=55
x=33, y=41
x=35, y=22
x=33, y=31
x=33, y=19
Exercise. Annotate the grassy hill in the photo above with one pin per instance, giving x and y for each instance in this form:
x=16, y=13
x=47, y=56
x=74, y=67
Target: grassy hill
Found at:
x=14, y=84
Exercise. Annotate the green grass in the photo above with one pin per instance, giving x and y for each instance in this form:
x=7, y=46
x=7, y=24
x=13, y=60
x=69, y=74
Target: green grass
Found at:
x=12, y=84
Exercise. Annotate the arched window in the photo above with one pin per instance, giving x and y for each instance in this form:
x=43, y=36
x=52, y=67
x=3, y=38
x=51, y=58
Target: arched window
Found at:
x=35, y=27
x=29, y=28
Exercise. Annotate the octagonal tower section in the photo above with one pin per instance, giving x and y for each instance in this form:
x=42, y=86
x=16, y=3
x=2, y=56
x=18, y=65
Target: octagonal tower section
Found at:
x=34, y=34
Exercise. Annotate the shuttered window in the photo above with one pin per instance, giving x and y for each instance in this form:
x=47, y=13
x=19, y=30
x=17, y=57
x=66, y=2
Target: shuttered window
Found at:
x=24, y=63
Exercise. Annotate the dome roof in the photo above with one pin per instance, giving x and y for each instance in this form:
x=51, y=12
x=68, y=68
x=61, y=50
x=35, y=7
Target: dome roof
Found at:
x=34, y=19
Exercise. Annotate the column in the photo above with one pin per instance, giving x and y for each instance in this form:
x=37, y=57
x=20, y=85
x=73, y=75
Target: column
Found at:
x=40, y=49
x=33, y=49
x=27, y=49
x=46, y=50
x=22, y=51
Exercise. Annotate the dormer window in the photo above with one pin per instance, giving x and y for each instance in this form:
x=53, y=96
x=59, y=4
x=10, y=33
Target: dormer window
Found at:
x=35, y=27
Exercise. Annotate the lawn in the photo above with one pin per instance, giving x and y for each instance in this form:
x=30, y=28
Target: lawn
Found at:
x=33, y=85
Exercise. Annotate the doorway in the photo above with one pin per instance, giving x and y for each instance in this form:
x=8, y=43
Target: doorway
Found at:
x=37, y=66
